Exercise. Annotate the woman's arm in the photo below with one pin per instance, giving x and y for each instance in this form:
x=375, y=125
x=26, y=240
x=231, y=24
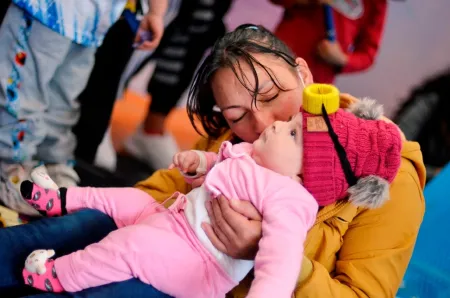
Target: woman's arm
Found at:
x=376, y=248
x=368, y=41
x=289, y=211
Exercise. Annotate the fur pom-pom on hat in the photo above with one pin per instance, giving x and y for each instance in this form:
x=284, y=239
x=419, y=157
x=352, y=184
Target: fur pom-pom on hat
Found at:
x=366, y=108
x=369, y=192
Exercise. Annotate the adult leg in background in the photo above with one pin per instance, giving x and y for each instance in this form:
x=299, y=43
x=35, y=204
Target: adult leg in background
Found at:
x=98, y=98
x=196, y=28
x=58, y=148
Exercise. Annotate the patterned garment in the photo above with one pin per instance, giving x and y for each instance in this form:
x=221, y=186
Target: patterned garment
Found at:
x=85, y=22
x=13, y=84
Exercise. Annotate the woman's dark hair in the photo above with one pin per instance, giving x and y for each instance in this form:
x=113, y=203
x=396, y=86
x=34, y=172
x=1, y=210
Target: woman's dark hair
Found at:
x=230, y=51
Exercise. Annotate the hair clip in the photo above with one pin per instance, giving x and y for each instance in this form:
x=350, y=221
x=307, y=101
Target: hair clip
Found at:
x=216, y=109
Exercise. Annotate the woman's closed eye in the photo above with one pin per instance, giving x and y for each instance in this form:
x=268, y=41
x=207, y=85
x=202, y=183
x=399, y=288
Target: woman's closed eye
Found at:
x=271, y=98
x=262, y=100
x=238, y=119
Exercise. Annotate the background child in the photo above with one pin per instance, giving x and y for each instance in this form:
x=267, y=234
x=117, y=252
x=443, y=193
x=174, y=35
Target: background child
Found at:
x=358, y=37
x=288, y=149
x=47, y=54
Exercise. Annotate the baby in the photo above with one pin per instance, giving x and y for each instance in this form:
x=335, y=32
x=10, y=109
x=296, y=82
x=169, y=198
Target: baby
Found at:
x=168, y=249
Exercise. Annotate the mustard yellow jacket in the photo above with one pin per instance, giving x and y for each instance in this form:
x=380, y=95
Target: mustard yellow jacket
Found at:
x=355, y=252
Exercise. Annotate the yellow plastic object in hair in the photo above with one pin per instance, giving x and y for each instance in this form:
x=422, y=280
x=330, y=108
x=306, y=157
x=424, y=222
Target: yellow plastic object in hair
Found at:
x=315, y=95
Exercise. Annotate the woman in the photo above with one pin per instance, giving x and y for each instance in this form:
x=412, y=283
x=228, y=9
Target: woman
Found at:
x=253, y=79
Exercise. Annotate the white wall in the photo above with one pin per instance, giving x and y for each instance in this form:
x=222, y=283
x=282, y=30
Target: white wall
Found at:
x=416, y=44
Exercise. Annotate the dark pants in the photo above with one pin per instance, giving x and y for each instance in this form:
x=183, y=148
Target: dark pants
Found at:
x=97, y=100
x=4, y=4
x=65, y=235
x=181, y=50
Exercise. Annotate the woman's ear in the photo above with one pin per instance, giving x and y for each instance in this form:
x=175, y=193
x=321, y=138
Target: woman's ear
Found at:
x=303, y=71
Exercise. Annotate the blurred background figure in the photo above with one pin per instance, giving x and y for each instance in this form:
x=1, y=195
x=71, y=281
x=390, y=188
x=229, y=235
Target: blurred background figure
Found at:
x=358, y=27
x=111, y=62
x=48, y=51
x=425, y=118
x=198, y=25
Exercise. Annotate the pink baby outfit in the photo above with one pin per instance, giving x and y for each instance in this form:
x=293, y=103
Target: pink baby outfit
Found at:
x=167, y=248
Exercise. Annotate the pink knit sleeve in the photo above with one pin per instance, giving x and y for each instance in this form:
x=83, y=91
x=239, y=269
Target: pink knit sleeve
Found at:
x=288, y=212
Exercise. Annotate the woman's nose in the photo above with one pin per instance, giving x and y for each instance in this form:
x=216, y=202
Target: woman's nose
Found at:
x=262, y=120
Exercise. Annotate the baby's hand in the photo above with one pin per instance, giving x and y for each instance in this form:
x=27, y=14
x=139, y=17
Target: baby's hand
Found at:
x=186, y=161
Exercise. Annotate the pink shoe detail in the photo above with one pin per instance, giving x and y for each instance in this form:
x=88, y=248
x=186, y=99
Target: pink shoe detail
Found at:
x=40, y=272
x=46, y=201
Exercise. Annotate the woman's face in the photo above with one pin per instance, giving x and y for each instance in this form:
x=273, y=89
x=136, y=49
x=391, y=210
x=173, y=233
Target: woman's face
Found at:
x=235, y=101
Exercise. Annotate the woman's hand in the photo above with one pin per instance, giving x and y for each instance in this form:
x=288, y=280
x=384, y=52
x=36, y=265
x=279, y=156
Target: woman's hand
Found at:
x=235, y=227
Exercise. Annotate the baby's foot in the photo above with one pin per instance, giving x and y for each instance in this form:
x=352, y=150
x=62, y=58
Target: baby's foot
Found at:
x=40, y=272
x=48, y=202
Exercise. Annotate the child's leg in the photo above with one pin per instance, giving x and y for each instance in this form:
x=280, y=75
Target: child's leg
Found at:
x=29, y=57
x=63, y=108
x=124, y=205
x=156, y=256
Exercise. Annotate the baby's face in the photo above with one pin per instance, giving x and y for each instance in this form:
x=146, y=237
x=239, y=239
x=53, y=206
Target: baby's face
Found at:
x=280, y=147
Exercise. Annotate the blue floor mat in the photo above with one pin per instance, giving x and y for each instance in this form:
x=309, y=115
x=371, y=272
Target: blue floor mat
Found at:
x=428, y=274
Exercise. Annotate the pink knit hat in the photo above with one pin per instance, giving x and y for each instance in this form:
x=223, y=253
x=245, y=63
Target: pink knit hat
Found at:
x=360, y=162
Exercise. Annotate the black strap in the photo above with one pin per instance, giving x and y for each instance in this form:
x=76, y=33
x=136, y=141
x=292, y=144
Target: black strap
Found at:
x=346, y=167
x=62, y=196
